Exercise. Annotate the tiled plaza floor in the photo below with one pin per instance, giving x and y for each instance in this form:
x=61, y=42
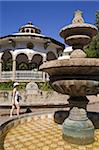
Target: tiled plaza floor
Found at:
x=41, y=133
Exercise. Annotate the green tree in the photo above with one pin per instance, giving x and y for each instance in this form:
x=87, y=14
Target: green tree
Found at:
x=92, y=50
x=7, y=66
x=97, y=20
x=23, y=66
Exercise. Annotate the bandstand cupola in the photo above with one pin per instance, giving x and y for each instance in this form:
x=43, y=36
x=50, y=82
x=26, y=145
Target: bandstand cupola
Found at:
x=29, y=28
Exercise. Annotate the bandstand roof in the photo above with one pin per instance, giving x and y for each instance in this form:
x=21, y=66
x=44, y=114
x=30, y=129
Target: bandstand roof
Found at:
x=33, y=33
x=13, y=36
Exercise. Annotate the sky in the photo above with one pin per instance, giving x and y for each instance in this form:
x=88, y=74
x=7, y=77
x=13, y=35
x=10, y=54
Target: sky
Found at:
x=49, y=16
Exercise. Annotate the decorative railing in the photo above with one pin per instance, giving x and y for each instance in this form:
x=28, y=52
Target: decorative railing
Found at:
x=6, y=75
x=23, y=75
x=29, y=75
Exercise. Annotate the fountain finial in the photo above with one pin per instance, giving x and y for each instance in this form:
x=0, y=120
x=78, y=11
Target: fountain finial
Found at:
x=78, y=17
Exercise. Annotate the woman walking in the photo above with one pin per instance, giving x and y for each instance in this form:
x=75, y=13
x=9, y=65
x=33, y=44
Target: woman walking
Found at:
x=15, y=99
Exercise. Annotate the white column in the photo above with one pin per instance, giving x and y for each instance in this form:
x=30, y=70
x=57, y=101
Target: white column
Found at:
x=43, y=76
x=44, y=60
x=14, y=69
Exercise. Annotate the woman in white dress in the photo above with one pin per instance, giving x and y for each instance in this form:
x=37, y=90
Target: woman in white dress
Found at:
x=15, y=99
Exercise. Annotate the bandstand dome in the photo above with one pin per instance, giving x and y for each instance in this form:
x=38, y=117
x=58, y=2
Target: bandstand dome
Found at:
x=29, y=28
x=23, y=52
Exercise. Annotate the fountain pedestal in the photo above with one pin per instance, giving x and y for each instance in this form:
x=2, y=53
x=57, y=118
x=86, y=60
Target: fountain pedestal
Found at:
x=78, y=101
x=77, y=128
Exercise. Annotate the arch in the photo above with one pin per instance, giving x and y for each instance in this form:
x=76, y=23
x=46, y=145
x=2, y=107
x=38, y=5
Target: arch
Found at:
x=50, y=56
x=36, y=61
x=22, y=62
x=27, y=30
x=7, y=61
x=23, y=30
x=31, y=30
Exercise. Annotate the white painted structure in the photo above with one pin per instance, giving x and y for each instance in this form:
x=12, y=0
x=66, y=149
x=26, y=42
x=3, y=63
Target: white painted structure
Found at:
x=22, y=53
x=66, y=53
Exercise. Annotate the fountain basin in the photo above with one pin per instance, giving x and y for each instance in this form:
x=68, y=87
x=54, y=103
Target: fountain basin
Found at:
x=79, y=30
x=74, y=77
x=88, y=67
x=76, y=87
x=76, y=39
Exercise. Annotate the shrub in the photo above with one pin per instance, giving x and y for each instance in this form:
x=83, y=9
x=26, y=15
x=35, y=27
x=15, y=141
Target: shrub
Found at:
x=44, y=86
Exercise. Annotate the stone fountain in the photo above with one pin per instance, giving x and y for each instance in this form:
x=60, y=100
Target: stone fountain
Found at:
x=76, y=77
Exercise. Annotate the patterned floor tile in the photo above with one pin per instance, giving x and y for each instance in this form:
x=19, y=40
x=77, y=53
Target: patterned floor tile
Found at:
x=42, y=134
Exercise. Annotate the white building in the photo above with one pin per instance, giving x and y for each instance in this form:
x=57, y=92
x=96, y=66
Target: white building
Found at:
x=22, y=53
x=66, y=53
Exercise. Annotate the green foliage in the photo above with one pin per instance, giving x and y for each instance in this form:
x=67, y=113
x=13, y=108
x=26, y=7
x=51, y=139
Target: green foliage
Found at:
x=32, y=66
x=44, y=86
x=23, y=66
x=22, y=85
x=97, y=20
x=92, y=50
x=9, y=85
x=6, y=85
x=7, y=66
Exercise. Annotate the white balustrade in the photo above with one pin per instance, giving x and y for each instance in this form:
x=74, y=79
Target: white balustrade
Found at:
x=29, y=75
x=23, y=75
x=7, y=75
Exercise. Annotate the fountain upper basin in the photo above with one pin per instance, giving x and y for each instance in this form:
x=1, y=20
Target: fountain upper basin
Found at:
x=78, y=29
x=78, y=33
